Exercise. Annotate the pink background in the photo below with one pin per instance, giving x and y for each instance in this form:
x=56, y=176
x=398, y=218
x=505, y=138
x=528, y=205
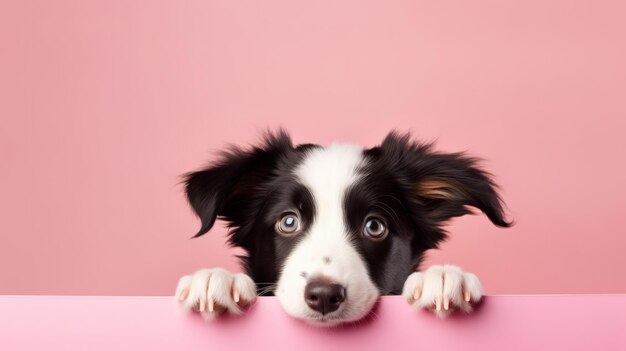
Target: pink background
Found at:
x=153, y=323
x=104, y=104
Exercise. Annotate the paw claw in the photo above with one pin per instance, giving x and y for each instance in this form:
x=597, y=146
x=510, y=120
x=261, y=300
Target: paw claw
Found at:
x=211, y=305
x=417, y=294
x=236, y=295
x=183, y=295
x=202, y=305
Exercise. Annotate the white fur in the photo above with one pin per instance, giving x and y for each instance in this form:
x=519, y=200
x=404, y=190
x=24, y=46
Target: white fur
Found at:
x=326, y=249
x=218, y=285
x=442, y=289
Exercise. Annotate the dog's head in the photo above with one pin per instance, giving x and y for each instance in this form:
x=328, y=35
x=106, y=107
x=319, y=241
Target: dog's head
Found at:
x=336, y=226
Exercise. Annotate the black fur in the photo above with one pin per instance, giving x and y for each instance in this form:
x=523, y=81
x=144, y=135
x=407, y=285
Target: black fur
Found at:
x=250, y=189
x=389, y=189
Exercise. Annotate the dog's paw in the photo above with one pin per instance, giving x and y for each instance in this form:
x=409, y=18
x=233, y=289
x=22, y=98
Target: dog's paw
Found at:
x=443, y=289
x=212, y=292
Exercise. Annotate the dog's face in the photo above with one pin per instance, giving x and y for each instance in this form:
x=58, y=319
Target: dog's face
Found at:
x=329, y=229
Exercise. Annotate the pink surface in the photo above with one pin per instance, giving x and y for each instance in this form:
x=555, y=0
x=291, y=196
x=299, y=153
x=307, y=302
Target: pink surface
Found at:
x=141, y=323
x=105, y=103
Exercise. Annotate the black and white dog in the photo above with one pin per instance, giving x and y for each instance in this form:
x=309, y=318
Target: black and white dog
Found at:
x=328, y=229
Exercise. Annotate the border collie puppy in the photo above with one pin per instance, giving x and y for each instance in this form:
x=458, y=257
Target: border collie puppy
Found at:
x=328, y=229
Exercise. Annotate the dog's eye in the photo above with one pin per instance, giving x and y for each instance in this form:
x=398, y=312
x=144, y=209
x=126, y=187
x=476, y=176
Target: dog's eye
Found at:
x=288, y=224
x=375, y=228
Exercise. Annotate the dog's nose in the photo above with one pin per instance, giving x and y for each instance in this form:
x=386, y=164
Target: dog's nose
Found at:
x=324, y=297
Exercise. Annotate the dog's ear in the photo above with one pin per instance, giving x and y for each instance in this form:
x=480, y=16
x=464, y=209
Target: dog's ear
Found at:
x=221, y=189
x=445, y=184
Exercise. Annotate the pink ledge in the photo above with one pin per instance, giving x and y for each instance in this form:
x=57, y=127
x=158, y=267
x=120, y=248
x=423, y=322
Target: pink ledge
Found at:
x=572, y=322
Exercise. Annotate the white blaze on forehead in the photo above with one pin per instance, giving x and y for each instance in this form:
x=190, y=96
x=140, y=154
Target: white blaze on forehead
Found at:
x=328, y=172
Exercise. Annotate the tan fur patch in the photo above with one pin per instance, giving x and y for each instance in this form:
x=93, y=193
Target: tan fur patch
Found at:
x=439, y=188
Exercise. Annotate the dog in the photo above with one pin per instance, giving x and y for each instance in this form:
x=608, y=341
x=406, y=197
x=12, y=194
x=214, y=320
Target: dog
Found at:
x=329, y=229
